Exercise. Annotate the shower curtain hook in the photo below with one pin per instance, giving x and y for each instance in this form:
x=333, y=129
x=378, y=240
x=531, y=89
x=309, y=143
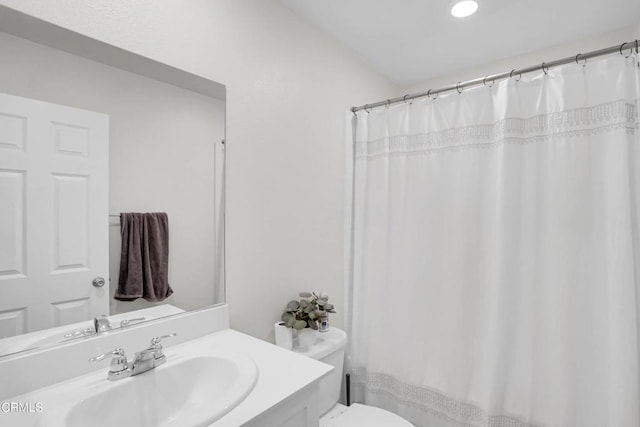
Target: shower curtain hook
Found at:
x=630, y=51
x=366, y=108
x=511, y=75
x=545, y=69
x=458, y=88
x=353, y=110
x=484, y=81
x=429, y=95
x=388, y=103
x=584, y=64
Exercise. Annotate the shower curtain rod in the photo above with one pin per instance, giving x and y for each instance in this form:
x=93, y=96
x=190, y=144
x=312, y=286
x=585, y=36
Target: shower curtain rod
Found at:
x=544, y=67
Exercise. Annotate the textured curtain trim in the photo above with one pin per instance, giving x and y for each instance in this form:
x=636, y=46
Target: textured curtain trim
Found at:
x=579, y=122
x=421, y=399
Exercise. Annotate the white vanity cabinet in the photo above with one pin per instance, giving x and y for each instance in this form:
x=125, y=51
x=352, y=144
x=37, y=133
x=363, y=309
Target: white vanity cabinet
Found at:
x=299, y=410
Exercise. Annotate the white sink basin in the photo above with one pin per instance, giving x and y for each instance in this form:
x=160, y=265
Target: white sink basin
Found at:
x=185, y=391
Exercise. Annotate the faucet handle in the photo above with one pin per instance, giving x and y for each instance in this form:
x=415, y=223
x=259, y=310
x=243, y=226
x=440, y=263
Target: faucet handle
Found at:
x=118, y=363
x=157, y=347
x=127, y=322
x=83, y=332
x=116, y=352
x=155, y=342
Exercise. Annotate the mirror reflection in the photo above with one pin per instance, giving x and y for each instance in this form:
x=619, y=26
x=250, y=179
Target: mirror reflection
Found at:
x=112, y=190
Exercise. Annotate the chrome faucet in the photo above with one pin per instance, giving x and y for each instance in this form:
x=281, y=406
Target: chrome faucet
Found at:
x=145, y=360
x=101, y=324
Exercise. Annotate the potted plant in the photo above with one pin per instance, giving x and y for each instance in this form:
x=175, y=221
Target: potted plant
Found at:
x=309, y=313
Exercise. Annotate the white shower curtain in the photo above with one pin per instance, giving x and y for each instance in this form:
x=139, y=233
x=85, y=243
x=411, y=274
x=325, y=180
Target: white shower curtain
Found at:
x=496, y=252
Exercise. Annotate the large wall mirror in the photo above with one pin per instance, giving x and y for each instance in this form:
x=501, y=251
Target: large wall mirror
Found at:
x=89, y=132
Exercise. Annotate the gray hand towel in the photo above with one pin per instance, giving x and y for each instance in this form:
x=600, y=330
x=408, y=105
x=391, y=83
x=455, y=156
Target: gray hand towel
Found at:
x=144, y=259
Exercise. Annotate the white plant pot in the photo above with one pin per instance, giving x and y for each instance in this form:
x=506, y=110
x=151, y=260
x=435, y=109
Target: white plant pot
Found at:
x=306, y=338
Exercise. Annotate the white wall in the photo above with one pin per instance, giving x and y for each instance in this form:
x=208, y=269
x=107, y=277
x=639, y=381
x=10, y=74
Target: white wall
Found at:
x=161, y=154
x=288, y=87
x=564, y=50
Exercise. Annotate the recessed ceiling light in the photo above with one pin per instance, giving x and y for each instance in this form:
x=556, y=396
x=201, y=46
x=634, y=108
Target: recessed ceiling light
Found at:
x=464, y=8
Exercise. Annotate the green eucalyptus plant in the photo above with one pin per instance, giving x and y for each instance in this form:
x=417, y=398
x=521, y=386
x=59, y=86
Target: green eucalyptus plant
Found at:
x=306, y=312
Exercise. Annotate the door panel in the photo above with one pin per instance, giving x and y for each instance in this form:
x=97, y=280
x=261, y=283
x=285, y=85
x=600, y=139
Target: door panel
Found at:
x=70, y=223
x=12, y=226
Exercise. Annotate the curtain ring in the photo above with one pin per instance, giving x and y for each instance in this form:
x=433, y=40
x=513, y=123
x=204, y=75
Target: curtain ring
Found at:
x=511, y=75
x=584, y=64
x=458, y=88
x=366, y=108
x=484, y=81
x=545, y=68
x=404, y=98
x=630, y=51
x=429, y=95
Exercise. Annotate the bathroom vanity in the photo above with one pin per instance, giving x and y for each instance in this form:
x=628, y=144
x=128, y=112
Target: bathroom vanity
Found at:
x=212, y=376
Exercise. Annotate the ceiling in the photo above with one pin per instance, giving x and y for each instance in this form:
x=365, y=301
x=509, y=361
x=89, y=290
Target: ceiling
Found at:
x=411, y=41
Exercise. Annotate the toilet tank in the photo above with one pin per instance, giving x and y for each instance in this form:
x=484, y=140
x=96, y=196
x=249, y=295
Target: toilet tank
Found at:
x=328, y=348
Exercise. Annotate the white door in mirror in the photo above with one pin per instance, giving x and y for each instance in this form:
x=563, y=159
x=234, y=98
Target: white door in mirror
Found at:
x=53, y=214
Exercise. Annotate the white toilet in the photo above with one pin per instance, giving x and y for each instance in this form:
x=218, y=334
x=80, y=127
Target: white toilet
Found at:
x=329, y=348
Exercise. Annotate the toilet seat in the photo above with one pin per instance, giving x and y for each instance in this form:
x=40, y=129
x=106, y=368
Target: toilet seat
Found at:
x=358, y=415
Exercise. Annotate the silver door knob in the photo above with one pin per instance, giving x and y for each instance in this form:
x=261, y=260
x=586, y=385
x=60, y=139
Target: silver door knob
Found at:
x=98, y=282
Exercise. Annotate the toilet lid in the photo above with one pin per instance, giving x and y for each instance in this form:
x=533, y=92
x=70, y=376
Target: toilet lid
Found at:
x=358, y=415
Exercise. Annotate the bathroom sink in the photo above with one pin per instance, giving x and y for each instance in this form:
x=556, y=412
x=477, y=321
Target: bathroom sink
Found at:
x=187, y=391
